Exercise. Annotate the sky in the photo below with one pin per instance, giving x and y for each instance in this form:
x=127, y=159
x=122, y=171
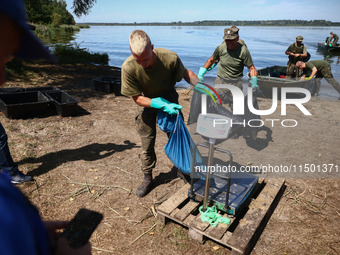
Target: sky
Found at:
x=198, y=10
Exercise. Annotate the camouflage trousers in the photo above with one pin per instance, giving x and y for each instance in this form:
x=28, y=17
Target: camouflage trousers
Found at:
x=335, y=42
x=327, y=74
x=146, y=121
x=293, y=70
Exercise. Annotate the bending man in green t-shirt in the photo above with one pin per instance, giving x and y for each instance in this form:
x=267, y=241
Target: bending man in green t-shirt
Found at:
x=321, y=69
x=149, y=76
x=232, y=57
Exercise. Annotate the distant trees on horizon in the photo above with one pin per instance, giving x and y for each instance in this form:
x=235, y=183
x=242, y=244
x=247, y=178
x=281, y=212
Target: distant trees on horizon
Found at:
x=228, y=23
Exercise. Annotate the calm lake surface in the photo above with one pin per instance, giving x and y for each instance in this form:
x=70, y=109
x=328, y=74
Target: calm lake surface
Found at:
x=195, y=45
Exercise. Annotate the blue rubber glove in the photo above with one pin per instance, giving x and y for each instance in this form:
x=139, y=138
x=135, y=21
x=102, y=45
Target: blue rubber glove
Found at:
x=253, y=82
x=212, y=67
x=201, y=73
x=330, y=45
x=165, y=105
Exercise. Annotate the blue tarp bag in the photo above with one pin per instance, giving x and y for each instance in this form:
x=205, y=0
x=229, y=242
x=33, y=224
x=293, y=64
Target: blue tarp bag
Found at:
x=180, y=146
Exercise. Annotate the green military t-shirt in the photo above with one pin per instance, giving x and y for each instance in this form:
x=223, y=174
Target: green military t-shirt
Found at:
x=319, y=64
x=157, y=82
x=232, y=62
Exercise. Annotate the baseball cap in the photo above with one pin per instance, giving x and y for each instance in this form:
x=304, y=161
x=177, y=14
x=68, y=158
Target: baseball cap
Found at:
x=30, y=45
x=299, y=38
x=230, y=33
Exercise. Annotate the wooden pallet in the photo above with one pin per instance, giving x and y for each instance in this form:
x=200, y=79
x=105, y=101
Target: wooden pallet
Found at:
x=243, y=232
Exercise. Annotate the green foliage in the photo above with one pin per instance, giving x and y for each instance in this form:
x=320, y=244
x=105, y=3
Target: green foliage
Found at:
x=48, y=12
x=71, y=54
x=57, y=19
x=82, y=7
x=50, y=34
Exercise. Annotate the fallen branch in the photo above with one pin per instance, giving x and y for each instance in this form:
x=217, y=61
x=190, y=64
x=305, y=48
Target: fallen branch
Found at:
x=150, y=229
x=123, y=170
x=130, y=221
x=97, y=185
x=100, y=249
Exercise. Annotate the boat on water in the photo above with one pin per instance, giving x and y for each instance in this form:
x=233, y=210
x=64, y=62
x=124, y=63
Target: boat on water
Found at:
x=326, y=48
x=275, y=77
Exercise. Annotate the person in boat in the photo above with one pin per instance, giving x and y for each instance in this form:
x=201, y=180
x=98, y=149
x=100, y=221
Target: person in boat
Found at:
x=149, y=76
x=296, y=52
x=332, y=40
x=320, y=69
x=232, y=57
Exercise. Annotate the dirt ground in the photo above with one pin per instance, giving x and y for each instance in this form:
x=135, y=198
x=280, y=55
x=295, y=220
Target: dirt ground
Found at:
x=91, y=161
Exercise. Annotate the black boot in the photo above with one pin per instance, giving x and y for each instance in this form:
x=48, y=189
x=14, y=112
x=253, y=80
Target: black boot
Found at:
x=146, y=184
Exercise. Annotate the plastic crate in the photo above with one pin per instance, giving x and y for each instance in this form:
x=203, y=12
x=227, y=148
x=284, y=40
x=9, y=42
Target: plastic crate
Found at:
x=24, y=104
x=64, y=104
x=108, y=84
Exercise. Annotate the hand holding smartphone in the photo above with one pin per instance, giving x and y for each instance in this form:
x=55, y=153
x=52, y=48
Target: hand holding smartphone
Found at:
x=79, y=230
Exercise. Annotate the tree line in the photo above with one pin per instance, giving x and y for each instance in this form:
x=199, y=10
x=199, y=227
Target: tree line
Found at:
x=48, y=12
x=54, y=12
x=229, y=23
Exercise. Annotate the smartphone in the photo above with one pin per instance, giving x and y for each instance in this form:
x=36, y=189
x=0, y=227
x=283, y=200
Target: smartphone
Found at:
x=79, y=230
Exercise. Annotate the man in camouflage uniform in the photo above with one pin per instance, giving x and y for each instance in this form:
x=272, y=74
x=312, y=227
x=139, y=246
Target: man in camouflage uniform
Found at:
x=333, y=37
x=232, y=56
x=149, y=76
x=296, y=52
x=236, y=30
x=321, y=69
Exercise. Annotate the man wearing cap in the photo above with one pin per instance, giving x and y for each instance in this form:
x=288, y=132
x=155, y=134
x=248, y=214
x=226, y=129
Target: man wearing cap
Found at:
x=232, y=57
x=320, y=69
x=296, y=52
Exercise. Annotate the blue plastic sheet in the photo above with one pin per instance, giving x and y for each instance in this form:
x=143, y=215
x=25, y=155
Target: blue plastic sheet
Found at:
x=180, y=146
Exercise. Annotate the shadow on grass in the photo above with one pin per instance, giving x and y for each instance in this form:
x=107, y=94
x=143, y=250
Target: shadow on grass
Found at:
x=90, y=152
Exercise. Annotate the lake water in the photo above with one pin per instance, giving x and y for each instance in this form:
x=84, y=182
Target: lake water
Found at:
x=195, y=45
